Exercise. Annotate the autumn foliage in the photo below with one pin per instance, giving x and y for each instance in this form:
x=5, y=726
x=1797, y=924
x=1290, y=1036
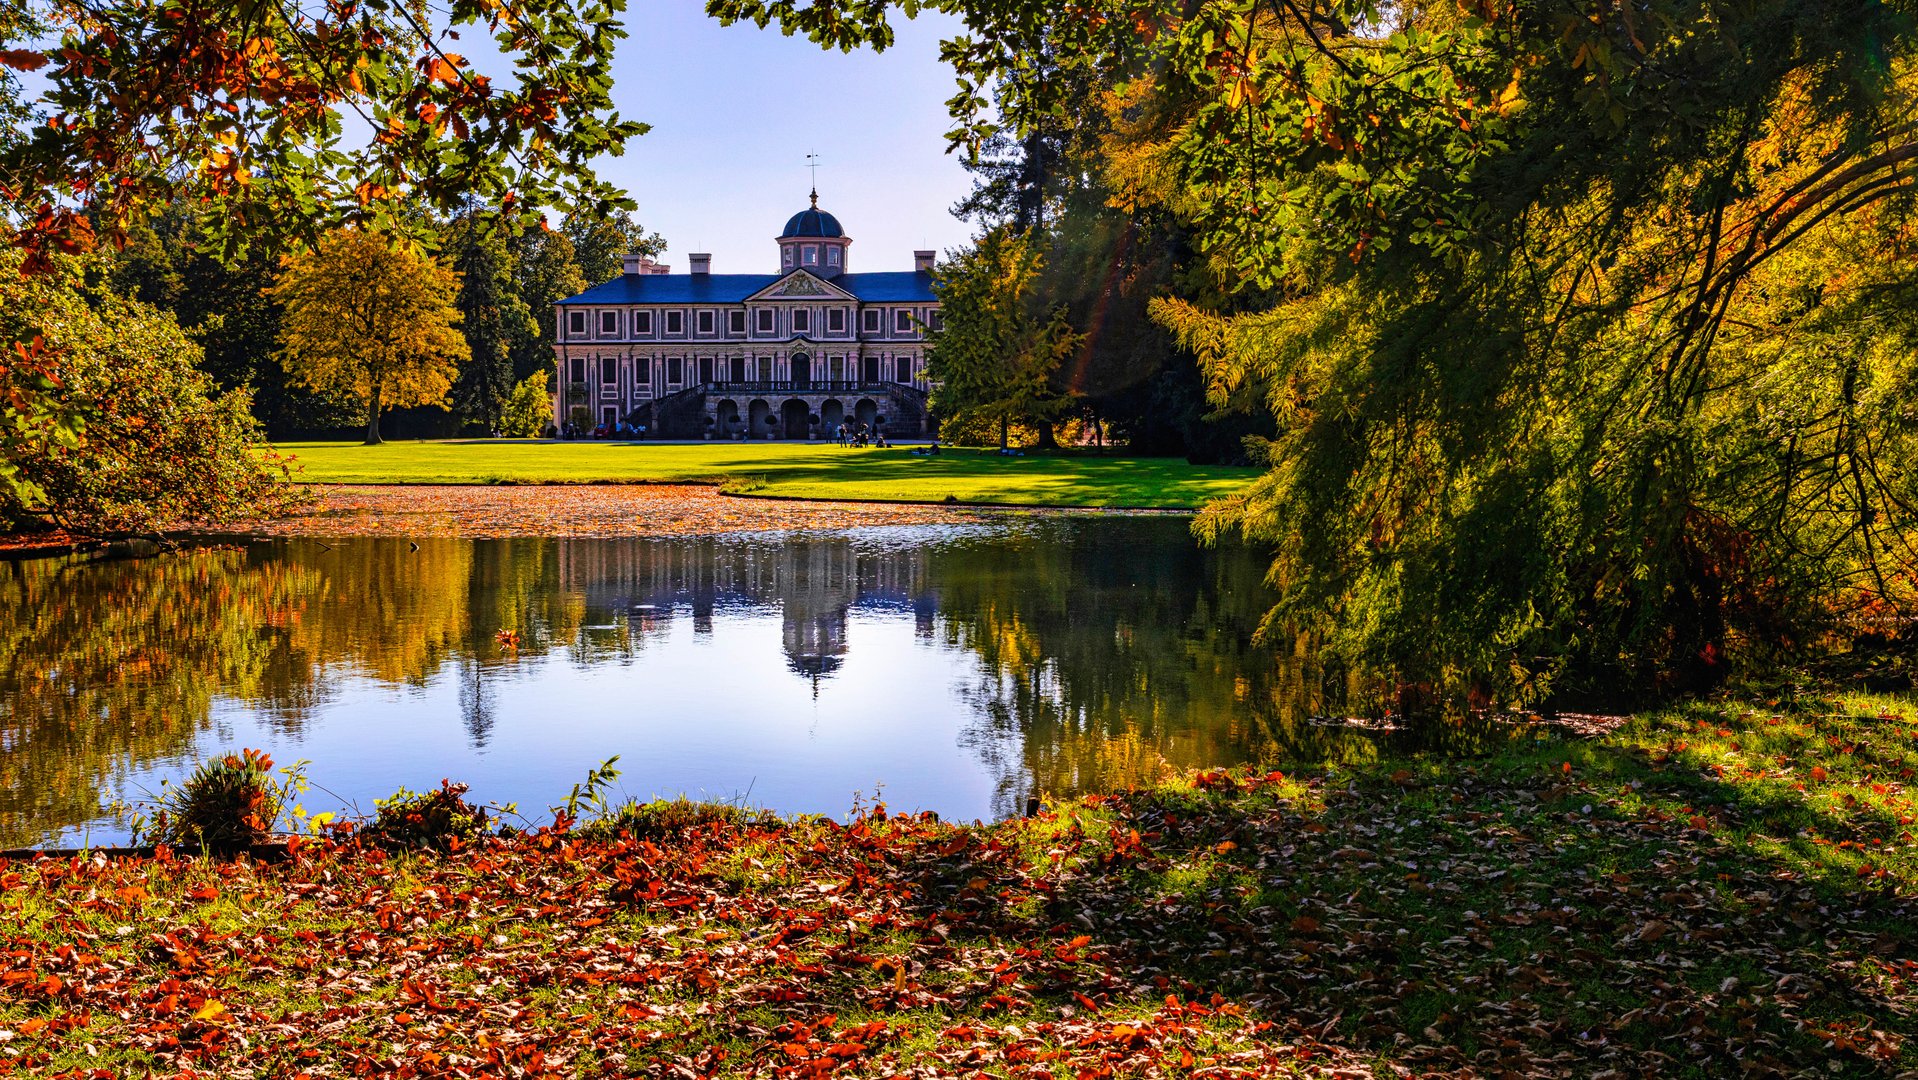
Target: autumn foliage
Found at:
x=1717, y=890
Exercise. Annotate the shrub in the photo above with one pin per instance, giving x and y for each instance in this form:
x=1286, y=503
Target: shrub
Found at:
x=529, y=408
x=426, y=819
x=666, y=818
x=226, y=803
x=159, y=446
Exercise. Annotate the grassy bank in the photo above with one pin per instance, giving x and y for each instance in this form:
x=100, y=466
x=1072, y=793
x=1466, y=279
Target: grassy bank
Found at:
x=1705, y=892
x=793, y=470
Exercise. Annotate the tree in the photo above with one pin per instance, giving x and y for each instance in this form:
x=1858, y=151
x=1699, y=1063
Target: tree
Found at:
x=529, y=408
x=995, y=355
x=159, y=446
x=493, y=318
x=225, y=308
x=244, y=108
x=599, y=241
x=368, y=319
x=1546, y=401
x=544, y=272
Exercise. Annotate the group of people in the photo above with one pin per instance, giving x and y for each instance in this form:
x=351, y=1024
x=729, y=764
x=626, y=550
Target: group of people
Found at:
x=857, y=434
x=618, y=430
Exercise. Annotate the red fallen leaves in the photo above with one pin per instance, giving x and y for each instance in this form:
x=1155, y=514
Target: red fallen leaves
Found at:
x=1239, y=934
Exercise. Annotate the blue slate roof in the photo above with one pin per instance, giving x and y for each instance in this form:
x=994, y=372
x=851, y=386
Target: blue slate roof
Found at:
x=812, y=222
x=885, y=287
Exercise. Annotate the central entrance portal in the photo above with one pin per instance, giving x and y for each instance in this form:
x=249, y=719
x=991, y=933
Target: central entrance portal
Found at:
x=802, y=370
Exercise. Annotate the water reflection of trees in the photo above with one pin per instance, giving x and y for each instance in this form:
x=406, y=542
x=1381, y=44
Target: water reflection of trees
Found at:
x=1106, y=652
x=1110, y=655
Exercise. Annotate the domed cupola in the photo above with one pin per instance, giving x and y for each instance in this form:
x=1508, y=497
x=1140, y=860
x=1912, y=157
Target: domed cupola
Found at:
x=813, y=240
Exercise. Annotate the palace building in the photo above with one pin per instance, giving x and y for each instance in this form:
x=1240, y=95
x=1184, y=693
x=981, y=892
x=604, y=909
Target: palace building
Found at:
x=788, y=355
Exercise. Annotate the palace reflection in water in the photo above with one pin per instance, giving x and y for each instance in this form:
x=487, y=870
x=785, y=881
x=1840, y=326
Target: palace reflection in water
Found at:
x=959, y=667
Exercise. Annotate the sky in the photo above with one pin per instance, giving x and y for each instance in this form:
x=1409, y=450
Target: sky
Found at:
x=735, y=110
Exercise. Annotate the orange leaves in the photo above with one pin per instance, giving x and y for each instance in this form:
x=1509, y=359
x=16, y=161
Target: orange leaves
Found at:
x=22, y=59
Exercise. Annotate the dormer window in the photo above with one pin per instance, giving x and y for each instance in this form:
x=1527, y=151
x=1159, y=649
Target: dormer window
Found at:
x=812, y=255
x=832, y=256
x=787, y=254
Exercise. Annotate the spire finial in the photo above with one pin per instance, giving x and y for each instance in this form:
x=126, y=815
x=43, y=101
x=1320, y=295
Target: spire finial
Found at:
x=815, y=198
x=812, y=162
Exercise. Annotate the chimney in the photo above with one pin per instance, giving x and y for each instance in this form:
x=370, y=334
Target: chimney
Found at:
x=702, y=262
x=922, y=261
x=630, y=262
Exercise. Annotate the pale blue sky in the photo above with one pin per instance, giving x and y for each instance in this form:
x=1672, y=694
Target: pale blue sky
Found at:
x=735, y=110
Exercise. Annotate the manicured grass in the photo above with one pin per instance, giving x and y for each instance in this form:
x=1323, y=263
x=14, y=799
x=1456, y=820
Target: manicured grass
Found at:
x=1709, y=891
x=795, y=470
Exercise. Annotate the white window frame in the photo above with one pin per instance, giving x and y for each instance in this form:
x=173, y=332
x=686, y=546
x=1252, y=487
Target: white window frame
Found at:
x=675, y=317
x=812, y=254
x=576, y=324
x=835, y=316
x=675, y=362
x=802, y=320
x=735, y=322
x=611, y=317
x=706, y=321
x=875, y=320
x=832, y=255
x=642, y=322
x=608, y=364
x=766, y=323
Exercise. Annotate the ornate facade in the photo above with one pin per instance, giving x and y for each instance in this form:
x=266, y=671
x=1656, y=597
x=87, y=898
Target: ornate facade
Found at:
x=794, y=354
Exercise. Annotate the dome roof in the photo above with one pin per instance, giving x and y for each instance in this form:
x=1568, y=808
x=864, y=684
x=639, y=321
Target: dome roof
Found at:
x=813, y=221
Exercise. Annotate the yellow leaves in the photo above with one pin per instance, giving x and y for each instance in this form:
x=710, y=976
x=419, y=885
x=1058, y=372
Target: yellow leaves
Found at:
x=213, y=1012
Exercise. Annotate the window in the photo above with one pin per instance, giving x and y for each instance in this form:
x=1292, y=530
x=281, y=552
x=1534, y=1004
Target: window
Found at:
x=936, y=321
x=765, y=368
x=902, y=321
x=802, y=320
x=675, y=367
x=579, y=369
x=675, y=322
x=832, y=256
x=836, y=321
x=609, y=416
x=735, y=322
x=609, y=324
x=872, y=369
x=705, y=322
x=812, y=254
x=837, y=366
x=786, y=255
x=642, y=371
x=576, y=322
x=608, y=371
x=642, y=322
x=705, y=369
x=765, y=320
x=905, y=368
x=739, y=369
x=872, y=322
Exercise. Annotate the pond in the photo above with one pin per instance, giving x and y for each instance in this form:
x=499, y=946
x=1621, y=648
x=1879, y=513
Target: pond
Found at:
x=955, y=668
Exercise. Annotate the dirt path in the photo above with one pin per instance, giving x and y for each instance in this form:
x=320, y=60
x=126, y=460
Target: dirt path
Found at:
x=580, y=510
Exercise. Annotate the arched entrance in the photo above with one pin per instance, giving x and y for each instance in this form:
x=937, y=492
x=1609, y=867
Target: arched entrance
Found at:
x=794, y=419
x=759, y=416
x=802, y=370
x=726, y=418
x=866, y=412
x=832, y=414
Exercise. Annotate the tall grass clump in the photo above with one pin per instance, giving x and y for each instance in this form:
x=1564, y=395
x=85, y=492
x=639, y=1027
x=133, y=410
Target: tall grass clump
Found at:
x=228, y=802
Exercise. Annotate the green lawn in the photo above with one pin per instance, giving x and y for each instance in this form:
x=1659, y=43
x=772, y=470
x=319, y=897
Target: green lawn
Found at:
x=785, y=469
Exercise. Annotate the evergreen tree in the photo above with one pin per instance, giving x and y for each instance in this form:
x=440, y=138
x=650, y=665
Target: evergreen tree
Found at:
x=494, y=317
x=545, y=272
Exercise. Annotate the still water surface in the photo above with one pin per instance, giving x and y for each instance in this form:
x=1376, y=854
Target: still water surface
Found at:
x=952, y=668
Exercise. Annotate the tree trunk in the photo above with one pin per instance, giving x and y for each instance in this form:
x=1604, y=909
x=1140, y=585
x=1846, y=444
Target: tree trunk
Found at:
x=373, y=417
x=1047, y=441
x=1005, y=425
